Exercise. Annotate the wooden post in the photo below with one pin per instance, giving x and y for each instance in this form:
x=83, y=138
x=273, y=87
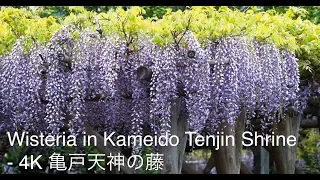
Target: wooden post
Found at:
x=173, y=156
x=183, y=126
x=285, y=155
x=211, y=164
x=261, y=160
x=228, y=158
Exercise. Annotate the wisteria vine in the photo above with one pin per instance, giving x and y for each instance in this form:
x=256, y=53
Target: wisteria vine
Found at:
x=61, y=85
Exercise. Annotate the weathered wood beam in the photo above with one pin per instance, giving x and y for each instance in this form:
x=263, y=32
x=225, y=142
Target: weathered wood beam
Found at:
x=308, y=123
x=212, y=62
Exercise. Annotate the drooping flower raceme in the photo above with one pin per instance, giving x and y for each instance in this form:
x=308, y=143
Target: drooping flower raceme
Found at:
x=90, y=78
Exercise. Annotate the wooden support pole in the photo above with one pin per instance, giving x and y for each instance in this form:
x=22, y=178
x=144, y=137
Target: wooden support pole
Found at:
x=211, y=164
x=285, y=155
x=174, y=155
x=261, y=160
x=228, y=158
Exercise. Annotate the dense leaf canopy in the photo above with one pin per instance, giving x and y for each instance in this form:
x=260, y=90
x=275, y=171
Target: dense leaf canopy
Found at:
x=286, y=30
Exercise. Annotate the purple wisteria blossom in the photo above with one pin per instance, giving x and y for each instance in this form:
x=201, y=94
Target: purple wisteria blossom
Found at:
x=69, y=81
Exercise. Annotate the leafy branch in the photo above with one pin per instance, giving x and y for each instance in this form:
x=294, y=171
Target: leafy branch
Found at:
x=175, y=35
x=12, y=29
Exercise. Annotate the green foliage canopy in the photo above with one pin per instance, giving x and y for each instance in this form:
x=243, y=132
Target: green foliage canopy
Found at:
x=287, y=30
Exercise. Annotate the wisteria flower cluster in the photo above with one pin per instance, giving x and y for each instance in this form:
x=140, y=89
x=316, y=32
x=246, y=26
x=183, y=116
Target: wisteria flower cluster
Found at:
x=93, y=79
